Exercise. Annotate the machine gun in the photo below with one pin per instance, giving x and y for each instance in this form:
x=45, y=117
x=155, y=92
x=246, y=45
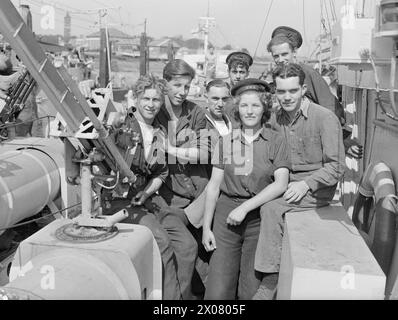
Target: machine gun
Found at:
x=15, y=101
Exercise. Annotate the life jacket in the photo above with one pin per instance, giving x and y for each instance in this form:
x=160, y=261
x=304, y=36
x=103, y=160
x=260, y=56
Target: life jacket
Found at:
x=378, y=226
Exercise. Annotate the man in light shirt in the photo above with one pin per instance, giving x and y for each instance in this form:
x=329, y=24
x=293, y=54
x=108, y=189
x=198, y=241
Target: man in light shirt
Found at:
x=218, y=94
x=142, y=139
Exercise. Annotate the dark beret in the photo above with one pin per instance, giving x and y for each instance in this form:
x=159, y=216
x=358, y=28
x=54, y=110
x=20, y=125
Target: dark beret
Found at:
x=250, y=84
x=240, y=56
x=291, y=34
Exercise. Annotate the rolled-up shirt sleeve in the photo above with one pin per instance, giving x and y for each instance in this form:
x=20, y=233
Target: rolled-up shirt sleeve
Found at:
x=333, y=155
x=196, y=136
x=280, y=154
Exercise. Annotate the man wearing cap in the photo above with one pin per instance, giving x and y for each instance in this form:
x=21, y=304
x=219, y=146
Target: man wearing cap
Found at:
x=315, y=140
x=283, y=46
x=239, y=64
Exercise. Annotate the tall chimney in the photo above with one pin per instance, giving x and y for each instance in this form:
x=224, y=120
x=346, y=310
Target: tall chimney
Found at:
x=67, y=28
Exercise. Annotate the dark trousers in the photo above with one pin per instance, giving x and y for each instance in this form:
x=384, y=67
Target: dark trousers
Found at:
x=202, y=262
x=181, y=240
x=269, y=247
x=231, y=268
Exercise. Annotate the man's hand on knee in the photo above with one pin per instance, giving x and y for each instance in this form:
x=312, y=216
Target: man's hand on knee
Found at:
x=296, y=191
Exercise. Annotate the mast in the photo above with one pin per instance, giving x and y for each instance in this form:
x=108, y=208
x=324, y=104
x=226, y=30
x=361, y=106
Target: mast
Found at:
x=206, y=42
x=208, y=22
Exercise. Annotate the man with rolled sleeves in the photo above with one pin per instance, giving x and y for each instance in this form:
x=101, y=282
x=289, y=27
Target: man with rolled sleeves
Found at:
x=239, y=64
x=314, y=136
x=184, y=121
x=283, y=47
x=218, y=123
x=187, y=151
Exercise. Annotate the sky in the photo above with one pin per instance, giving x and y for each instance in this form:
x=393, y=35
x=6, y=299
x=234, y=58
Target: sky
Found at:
x=238, y=22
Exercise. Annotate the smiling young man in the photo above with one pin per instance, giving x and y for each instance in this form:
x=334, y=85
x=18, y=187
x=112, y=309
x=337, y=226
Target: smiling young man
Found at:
x=142, y=139
x=283, y=47
x=314, y=136
x=184, y=121
x=187, y=152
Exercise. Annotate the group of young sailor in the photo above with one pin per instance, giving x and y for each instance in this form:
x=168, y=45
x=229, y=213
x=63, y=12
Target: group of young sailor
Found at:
x=214, y=184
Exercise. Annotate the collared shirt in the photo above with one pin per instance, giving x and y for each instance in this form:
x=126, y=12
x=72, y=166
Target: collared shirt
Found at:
x=185, y=180
x=316, y=147
x=145, y=168
x=249, y=167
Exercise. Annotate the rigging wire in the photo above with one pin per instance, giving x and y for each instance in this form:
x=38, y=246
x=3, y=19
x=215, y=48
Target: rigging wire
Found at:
x=222, y=38
x=233, y=40
x=61, y=21
x=38, y=219
x=63, y=9
x=223, y=35
x=333, y=9
x=262, y=31
x=328, y=20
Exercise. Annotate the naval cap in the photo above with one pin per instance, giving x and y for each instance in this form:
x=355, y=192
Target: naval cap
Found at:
x=240, y=56
x=291, y=34
x=250, y=85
